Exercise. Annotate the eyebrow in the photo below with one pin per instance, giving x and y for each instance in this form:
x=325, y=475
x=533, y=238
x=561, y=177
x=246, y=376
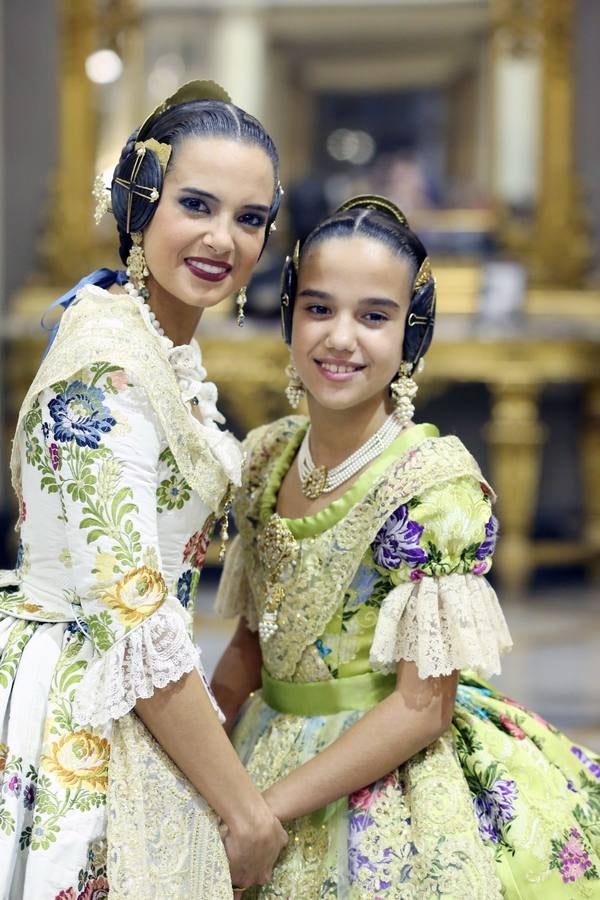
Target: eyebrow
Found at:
x=368, y=301
x=258, y=207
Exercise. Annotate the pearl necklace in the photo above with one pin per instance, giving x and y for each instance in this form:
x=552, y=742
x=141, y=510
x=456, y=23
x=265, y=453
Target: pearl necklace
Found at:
x=316, y=480
x=133, y=292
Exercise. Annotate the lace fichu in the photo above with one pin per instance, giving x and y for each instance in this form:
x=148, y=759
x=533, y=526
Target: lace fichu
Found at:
x=104, y=327
x=163, y=838
x=441, y=624
x=155, y=654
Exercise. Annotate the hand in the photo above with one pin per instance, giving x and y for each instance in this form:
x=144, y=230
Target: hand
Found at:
x=252, y=848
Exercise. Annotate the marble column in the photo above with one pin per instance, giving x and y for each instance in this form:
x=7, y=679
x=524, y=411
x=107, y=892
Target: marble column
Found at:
x=238, y=49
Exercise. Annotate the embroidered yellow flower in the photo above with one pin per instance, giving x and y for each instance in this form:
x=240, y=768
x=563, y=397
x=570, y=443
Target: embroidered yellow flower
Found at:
x=137, y=595
x=80, y=760
x=105, y=566
x=31, y=608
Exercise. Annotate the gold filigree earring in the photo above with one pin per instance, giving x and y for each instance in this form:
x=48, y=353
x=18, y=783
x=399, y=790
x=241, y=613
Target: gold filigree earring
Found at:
x=137, y=270
x=295, y=389
x=403, y=390
x=240, y=302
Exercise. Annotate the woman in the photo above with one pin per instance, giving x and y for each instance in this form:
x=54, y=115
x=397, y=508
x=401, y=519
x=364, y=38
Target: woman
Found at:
x=121, y=471
x=358, y=574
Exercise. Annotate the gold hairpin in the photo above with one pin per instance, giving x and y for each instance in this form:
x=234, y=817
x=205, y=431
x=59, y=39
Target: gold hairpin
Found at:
x=162, y=151
x=374, y=201
x=296, y=256
x=187, y=93
x=424, y=274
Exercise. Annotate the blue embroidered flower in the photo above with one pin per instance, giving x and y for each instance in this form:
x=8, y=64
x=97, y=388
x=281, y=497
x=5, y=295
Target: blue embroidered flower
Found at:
x=494, y=808
x=491, y=536
x=323, y=650
x=184, y=588
x=398, y=541
x=362, y=586
x=80, y=415
x=465, y=698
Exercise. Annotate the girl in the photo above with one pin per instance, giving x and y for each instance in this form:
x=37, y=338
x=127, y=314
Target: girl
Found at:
x=121, y=468
x=359, y=577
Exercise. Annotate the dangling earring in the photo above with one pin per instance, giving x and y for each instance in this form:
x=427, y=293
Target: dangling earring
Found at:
x=240, y=302
x=137, y=270
x=295, y=389
x=403, y=390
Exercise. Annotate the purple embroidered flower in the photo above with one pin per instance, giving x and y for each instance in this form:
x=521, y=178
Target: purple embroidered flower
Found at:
x=479, y=568
x=13, y=785
x=416, y=575
x=80, y=415
x=590, y=764
x=494, y=809
x=378, y=869
x=54, y=455
x=29, y=795
x=573, y=858
x=488, y=546
x=398, y=541
x=360, y=822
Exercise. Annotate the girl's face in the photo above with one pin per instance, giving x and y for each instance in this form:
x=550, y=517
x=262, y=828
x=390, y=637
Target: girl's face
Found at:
x=208, y=229
x=348, y=325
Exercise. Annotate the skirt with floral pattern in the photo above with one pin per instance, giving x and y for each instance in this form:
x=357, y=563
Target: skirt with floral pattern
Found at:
x=501, y=806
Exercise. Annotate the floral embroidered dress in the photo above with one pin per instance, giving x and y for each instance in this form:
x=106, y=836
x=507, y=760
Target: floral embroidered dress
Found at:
x=119, y=483
x=502, y=805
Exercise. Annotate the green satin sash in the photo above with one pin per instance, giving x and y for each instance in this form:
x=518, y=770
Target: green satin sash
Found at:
x=324, y=698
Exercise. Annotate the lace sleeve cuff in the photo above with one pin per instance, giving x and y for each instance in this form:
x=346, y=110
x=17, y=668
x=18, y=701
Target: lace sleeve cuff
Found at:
x=234, y=597
x=152, y=656
x=441, y=624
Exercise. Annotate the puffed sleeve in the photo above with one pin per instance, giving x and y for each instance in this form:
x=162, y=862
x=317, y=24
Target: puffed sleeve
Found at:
x=441, y=612
x=234, y=597
x=104, y=440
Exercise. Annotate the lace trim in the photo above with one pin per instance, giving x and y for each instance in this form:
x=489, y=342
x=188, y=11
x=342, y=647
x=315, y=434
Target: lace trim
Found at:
x=441, y=624
x=153, y=655
x=234, y=597
x=102, y=326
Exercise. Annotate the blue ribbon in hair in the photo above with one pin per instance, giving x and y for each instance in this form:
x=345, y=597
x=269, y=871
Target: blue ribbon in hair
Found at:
x=103, y=278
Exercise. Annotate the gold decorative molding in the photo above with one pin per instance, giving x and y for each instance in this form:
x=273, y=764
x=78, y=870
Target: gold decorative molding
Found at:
x=70, y=245
x=554, y=243
x=561, y=250
x=515, y=26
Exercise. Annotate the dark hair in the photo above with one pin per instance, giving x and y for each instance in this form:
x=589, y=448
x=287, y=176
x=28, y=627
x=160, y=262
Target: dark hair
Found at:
x=384, y=226
x=197, y=118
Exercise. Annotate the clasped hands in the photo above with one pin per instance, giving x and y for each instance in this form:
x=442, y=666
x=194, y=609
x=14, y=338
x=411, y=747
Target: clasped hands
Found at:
x=252, y=848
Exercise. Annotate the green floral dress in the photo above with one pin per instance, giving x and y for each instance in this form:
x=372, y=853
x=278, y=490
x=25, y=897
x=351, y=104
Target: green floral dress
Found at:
x=502, y=805
x=114, y=530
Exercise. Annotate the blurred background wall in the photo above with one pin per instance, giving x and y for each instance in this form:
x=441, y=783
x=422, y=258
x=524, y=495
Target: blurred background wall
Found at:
x=478, y=117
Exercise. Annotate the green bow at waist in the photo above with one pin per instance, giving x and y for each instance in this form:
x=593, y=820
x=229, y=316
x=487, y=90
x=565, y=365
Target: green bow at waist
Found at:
x=325, y=698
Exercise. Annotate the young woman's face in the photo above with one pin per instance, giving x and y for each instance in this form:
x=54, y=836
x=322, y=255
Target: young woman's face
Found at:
x=348, y=325
x=208, y=229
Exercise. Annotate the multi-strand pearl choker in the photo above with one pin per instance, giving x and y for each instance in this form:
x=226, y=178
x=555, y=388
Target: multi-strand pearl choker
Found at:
x=316, y=480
